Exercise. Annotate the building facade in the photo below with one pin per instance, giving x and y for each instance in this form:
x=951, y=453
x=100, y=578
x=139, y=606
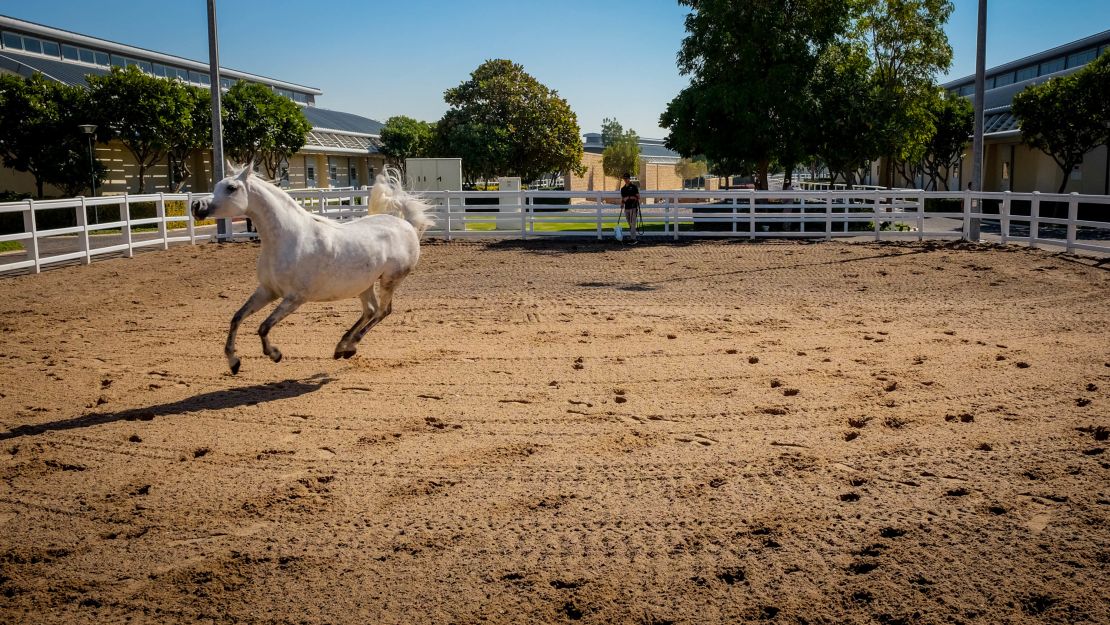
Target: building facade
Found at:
x=656, y=167
x=1008, y=164
x=340, y=151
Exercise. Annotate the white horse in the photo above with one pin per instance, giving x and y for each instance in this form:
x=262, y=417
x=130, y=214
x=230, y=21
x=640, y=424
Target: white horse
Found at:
x=308, y=258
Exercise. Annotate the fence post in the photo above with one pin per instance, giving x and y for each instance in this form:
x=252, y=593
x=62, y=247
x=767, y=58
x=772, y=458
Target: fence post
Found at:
x=802, y=215
x=1034, y=219
x=875, y=212
x=967, y=215
x=125, y=210
x=1073, y=216
x=83, y=223
x=1005, y=217
x=446, y=213
x=31, y=225
x=523, y=214
x=674, y=209
x=828, y=217
x=190, y=226
x=751, y=215
x=920, y=216
x=163, y=227
x=734, y=198
x=598, y=208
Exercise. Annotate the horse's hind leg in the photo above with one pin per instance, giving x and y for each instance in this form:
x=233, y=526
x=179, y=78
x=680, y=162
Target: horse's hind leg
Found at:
x=346, y=348
x=385, y=304
x=283, y=310
x=256, y=302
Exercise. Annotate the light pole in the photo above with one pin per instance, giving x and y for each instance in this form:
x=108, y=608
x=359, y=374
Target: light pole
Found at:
x=89, y=130
x=980, y=98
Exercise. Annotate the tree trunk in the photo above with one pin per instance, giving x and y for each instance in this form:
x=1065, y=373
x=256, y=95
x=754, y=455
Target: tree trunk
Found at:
x=1064, y=182
x=761, y=174
x=38, y=187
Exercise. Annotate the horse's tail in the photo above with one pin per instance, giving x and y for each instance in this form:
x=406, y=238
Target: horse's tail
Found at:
x=389, y=196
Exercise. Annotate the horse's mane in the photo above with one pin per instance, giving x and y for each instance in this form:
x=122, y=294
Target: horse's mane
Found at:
x=389, y=196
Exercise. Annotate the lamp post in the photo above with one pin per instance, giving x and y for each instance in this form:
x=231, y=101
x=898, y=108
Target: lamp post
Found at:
x=980, y=99
x=89, y=130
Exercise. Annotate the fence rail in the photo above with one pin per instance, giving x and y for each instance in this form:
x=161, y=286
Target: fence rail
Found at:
x=76, y=232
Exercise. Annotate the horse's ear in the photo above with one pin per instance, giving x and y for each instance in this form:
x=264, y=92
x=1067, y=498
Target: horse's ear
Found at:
x=230, y=169
x=246, y=171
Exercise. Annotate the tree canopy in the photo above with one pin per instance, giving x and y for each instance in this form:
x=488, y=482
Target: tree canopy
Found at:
x=907, y=47
x=504, y=122
x=142, y=111
x=404, y=137
x=1067, y=116
x=750, y=65
x=953, y=119
x=187, y=138
x=262, y=126
x=622, y=150
x=39, y=133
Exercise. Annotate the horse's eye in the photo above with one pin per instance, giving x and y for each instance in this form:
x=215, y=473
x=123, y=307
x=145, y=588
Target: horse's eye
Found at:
x=232, y=188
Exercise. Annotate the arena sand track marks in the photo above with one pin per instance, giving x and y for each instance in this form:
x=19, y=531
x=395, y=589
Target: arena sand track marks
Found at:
x=545, y=432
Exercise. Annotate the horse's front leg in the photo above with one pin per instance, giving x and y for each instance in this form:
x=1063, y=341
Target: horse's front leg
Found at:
x=255, y=303
x=283, y=310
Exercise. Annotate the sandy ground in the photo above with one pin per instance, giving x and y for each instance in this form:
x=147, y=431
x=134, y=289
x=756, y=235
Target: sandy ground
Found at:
x=709, y=432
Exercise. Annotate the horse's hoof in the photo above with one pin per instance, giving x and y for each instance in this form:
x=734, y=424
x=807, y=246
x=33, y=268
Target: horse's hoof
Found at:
x=347, y=355
x=275, y=355
x=344, y=353
x=235, y=367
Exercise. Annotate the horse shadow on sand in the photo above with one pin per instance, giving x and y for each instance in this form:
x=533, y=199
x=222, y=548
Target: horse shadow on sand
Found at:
x=214, y=400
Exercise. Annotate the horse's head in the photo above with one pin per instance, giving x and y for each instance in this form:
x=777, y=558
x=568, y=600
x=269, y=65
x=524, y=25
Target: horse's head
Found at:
x=229, y=198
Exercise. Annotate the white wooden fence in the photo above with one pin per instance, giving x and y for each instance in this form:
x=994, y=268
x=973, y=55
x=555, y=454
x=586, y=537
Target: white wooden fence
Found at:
x=873, y=213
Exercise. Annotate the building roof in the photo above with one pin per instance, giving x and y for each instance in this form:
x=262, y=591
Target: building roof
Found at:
x=28, y=64
x=332, y=131
x=1035, y=69
x=343, y=122
x=112, y=46
x=650, y=149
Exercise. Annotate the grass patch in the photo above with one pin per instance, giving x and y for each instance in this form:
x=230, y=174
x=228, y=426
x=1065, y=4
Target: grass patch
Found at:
x=10, y=246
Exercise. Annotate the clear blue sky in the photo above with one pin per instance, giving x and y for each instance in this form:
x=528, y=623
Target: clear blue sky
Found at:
x=608, y=58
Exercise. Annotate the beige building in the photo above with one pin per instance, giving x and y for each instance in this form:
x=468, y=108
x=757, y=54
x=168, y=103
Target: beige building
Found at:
x=656, y=167
x=1008, y=164
x=340, y=151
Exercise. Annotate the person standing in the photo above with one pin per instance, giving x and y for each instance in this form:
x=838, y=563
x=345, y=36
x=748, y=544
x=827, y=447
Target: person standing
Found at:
x=630, y=204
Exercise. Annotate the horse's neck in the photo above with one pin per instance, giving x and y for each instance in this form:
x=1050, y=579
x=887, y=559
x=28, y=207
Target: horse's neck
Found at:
x=275, y=214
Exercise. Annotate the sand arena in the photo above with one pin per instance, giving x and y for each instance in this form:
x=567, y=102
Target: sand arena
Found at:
x=704, y=432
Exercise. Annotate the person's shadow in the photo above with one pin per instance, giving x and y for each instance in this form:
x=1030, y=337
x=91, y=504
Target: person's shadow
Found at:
x=215, y=400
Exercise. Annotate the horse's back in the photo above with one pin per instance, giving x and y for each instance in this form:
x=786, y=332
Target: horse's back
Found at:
x=339, y=260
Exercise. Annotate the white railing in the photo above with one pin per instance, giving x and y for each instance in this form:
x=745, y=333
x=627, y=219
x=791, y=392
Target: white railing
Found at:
x=878, y=214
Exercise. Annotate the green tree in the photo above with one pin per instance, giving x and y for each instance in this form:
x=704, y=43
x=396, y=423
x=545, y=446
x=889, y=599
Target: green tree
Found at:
x=622, y=153
x=908, y=47
x=141, y=111
x=504, y=122
x=262, y=126
x=1068, y=116
x=39, y=133
x=404, y=137
x=187, y=138
x=750, y=65
x=843, y=121
x=689, y=168
x=953, y=118
x=611, y=130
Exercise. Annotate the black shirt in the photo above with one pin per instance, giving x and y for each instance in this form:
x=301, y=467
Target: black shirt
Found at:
x=630, y=196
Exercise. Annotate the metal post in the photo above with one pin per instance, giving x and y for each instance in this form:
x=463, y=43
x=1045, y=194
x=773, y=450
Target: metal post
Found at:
x=223, y=226
x=977, y=141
